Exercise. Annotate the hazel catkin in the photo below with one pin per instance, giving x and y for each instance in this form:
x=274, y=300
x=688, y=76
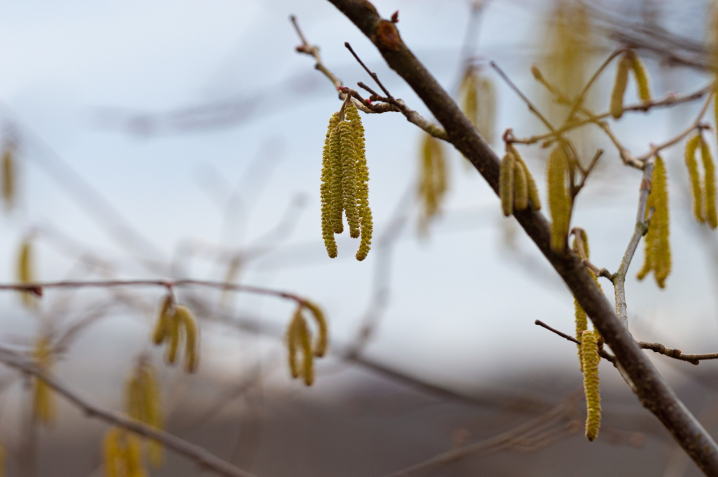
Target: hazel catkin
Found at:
x=657, y=240
x=619, y=87
x=533, y=194
x=590, y=359
x=559, y=196
x=709, y=183
x=506, y=184
x=694, y=176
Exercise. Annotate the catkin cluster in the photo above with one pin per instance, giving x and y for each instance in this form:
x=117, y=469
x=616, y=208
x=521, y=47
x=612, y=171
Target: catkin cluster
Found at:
x=517, y=187
x=658, y=247
x=590, y=359
x=122, y=454
x=703, y=187
x=175, y=325
x=43, y=404
x=8, y=179
x=26, y=271
x=477, y=97
x=299, y=342
x=143, y=401
x=629, y=62
x=345, y=182
x=559, y=196
x=432, y=179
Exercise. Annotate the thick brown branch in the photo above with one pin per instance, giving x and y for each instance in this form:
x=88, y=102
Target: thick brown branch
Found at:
x=652, y=390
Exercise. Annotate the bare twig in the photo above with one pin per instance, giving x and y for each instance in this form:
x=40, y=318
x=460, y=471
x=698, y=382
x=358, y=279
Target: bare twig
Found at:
x=604, y=354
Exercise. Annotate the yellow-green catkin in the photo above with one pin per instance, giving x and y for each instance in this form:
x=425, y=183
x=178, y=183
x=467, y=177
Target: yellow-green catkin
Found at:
x=709, y=183
x=694, y=176
x=521, y=187
x=559, y=197
x=362, y=173
x=640, y=73
x=506, y=184
x=122, y=456
x=43, y=397
x=322, y=341
x=345, y=182
x=176, y=325
x=619, y=86
x=590, y=359
x=581, y=317
x=298, y=339
x=26, y=271
x=326, y=191
x=143, y=401
x=9, y=172
x=477, y=97
x=432, y=180
x=658, y=249
x=533, y=193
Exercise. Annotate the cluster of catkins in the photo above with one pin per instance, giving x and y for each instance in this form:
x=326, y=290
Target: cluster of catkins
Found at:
x=345, y=181
x=299, y=339
x=629, y=62
x=176, y=324
x=122, y=454
x=517, y=187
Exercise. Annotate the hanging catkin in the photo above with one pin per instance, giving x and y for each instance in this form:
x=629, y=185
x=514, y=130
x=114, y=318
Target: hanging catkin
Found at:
x=9, y=179
x=26, y=271
x=619, y=87
x=122, y=454
x=345, y=182
x=143, y=401
x=709, y=183
x=298, y=339
x=506, y=184
x=533, y=194
x=658, y=249
x=559, y=196
x=694, y=176
x=640, y=73
x=590, y=359
x=432, y=180
x=176, y=325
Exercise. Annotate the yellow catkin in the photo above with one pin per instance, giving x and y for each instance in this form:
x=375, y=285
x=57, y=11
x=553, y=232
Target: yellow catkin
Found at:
x=694, y=176
x=657, y=240
x=619, y=86
x=580, y=314
x=302, y=334
x=164, y=316
x=337, y=201
x=327, y=199
x=590, y=357
x=143, y=401
x=362, y=170
x=559, y=197
x=521, y=187
x=191, y=335
x=534, y=198
x=349, y=177
x=487, y=108
x=640, y=73
x=322, y=341
x=112, y=453
x=8, y=180
x=173, y=339
x=709, y=183
x=292, y=339
x=506, y=184
x=469, y=92
x=432, y=179
x=26, y=271
x=43, y=397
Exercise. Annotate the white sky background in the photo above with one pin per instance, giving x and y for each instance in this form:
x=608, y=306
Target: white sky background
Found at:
x=461, y=311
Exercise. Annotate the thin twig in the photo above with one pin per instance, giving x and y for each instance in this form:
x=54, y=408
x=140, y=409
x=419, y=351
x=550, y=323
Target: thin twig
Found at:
x=370, y=72
x=604, y=354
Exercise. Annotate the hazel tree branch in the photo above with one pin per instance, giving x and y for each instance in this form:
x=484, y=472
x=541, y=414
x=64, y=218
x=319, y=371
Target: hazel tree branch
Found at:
x=200, y=456
x=650, y=387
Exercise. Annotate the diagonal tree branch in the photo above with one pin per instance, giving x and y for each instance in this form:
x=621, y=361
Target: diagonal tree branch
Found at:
x=650, y=387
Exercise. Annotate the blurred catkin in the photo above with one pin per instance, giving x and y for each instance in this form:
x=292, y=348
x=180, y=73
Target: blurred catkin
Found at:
x=43, y=397
x=176, y=325
x=694, y=176
x=26, y=271
x=477, y=97
x=506, y=184
x=298, y=339
x=9, y=175
x=640, y=73
x=532, y=189
x=657, y=243
x=619, y=87
x=143, y=401
x=709, y=183
x=590, y=357
x=559, y=196
x=432, y=180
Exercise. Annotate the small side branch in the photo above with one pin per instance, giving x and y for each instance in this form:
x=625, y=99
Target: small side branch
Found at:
x=603, y=353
